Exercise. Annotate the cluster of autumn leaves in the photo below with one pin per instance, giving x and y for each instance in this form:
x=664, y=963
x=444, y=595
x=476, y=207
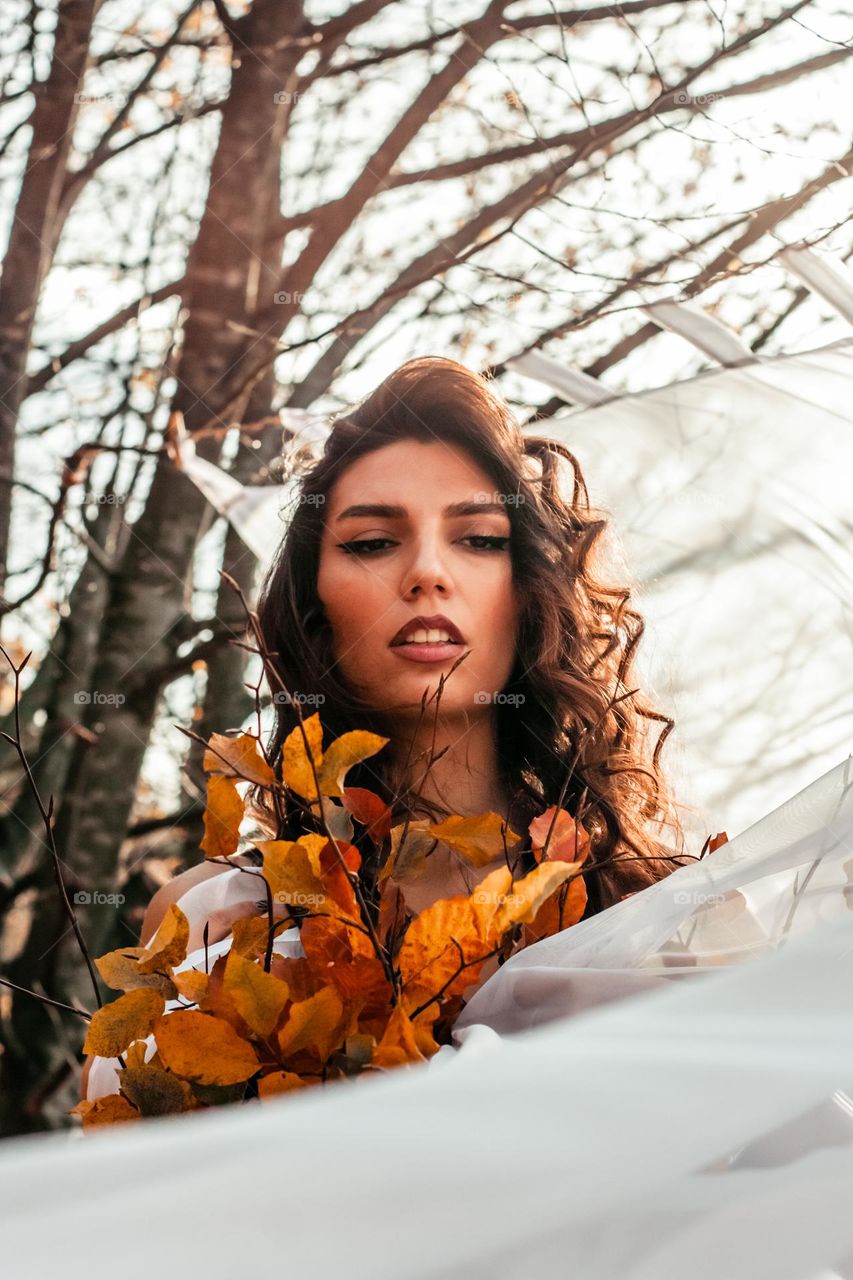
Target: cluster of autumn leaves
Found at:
x=375, y=986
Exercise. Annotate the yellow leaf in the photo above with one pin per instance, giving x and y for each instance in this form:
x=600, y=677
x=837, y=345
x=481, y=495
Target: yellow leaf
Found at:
x=487, y=901
x=168, y=947
x=203, y=1049
x=527, y=896
x=408, y=859
x=345, y=752
x=238, y=757
x=259, y=997
x=222, y=817
x=120, y=970
x=313, y=1024
x=249, y=935
x=290, y=868
x=295, y=761
x=126, y=1019
x=478, y=839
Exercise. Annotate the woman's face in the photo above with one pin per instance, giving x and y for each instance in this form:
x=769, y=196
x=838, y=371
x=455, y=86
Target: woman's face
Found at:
x=417, y=530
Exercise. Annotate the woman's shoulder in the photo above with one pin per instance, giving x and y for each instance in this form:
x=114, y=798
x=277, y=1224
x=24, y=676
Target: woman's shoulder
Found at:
x=171, y=891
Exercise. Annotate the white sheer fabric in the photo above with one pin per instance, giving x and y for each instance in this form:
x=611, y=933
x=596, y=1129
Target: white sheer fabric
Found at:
x=700, y=1129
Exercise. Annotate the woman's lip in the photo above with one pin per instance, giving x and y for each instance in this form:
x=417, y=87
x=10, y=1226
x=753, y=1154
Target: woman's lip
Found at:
x=435, y=651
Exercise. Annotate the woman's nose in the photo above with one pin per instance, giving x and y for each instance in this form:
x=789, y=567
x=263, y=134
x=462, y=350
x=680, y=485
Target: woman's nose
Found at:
x=427, y=570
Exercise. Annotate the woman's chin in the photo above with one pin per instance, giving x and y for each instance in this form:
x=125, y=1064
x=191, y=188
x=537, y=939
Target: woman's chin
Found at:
x=404, y=697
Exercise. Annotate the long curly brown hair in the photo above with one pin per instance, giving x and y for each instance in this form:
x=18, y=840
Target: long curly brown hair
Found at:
x=580, y=730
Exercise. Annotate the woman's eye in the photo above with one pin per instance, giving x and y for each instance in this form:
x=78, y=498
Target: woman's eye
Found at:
x=492, y=541
x=369, y=546
x=363, y=546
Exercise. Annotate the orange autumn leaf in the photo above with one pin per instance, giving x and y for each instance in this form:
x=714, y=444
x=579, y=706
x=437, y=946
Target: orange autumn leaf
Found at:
x=368, y=809
x=237, y=757
x=192, y=984
x=296, y=761
x=441, y=951
x=126, y=1019
x=339, y=864
x=259, y=997
x=569, y=840
x=392, y=913
x=275, y=1082
x=334, y=853
x=218, y=1000
x=312, y=876
x=564, y=908
x=717, y=841
x=345, y=958
x=204, y=1049
x=399, y=1045
x=314, y=1024
x=222, y=817
x=168, y=947
x=134, y=1055
x=296, y=971
x=479, y=839
x=345, y=752
x=111, y=1109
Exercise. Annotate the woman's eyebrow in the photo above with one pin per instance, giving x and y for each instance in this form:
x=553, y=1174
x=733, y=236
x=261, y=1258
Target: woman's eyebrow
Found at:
x=388, y=512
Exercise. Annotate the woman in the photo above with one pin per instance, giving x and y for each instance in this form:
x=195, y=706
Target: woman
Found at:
x=437, y=585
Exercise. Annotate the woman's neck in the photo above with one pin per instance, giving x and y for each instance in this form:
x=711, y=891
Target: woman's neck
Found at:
x=467, y=778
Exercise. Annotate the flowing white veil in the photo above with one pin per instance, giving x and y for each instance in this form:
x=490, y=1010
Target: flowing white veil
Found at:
x=702, y=1128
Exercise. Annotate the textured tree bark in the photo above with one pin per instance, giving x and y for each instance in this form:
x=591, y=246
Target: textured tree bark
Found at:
x=35, y=229
x=230, y=272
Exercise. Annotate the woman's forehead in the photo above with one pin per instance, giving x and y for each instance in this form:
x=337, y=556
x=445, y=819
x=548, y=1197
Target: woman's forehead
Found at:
x=411, y=474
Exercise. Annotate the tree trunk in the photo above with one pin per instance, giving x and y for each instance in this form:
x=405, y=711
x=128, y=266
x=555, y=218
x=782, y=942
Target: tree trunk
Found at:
x=35, y=230
x=230, y=272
